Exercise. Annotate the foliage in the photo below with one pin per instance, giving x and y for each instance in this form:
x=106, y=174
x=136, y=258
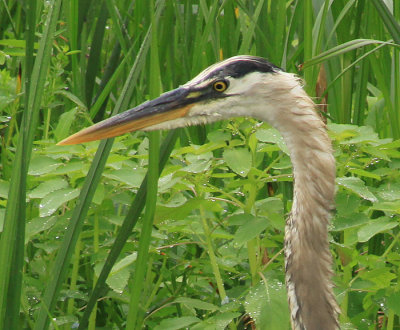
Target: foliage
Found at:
x=209, y=254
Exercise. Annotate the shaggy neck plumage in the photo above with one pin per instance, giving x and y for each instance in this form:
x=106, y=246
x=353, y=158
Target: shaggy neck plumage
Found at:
x=307, y=256
x=308, y=259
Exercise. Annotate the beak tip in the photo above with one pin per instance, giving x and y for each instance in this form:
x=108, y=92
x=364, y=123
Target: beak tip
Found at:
x=67, y=141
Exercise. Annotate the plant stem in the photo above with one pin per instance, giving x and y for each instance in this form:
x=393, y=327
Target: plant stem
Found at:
x=213, y=258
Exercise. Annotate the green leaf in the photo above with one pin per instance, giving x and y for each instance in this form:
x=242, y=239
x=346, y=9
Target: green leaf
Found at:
x=219, y=321
x=267, y=305
x=376, y=226
x=239, y=160
x=272, y=136
x=50, y=203
x=64, y=124
x=196, y=303
x=349, y=221
x=366, y=174
x=253, y=227
x=389, y=192
x=357, y=186
x=48, y=187
x=391, y=207
x=37, y=225
x=381, y=277
x=119, y=280
x=130, y=177
x=72, y=98
x=346, y=203
x=177, y=323
x=43, y=165
x=393, y=302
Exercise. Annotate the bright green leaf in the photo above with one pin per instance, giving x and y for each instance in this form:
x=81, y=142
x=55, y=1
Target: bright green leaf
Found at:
x=43, y=165
x=239, y=160
x=251, y=229
x=177, y=323
x=376, y=226
x=196, y=303
x=272, y=136
x=50, y=203
x=357, y=186
x=267, y=305
x=48, y=187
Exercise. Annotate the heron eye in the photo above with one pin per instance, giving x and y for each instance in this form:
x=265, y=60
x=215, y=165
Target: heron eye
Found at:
x=220, y=86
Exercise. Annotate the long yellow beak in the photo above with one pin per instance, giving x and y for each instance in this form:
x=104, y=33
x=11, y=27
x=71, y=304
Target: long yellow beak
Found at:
x=169, y=106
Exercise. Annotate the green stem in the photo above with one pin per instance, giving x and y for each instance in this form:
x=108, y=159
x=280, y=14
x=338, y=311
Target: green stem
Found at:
x=211, y=254
x=252, y=244
x=92, y=319
x=347, y=274
x=74, y=275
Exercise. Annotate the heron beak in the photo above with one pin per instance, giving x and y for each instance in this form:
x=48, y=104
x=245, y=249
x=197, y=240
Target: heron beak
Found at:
x=169, y=106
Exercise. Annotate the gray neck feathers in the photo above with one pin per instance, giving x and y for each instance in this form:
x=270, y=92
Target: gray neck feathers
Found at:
x=308, y=259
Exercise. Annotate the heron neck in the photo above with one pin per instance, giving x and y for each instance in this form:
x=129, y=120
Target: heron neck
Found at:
x=308, y=259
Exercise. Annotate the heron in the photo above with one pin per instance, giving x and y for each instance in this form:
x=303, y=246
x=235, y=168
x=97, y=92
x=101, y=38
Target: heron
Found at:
x=250, y=86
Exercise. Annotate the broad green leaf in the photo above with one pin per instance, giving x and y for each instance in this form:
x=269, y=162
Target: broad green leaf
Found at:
x=352, y=134
x=196, y=303
x=357, y=186
x=218, y=136
x=130, y=177
x=123, y=263
x=349, y=221
x=50, y=203
x=251, y=229
x=199, y=166
x=177, y=323
x=267, y=305
x=346, y=203
x=43, y=165
x=219, y=321
x=364, y=173
x=64, y=124
x=389, y=192
x=48, y=187
x=391, y=207
x=272, y=136
x=119, y=280
x=240, y=219
x=71, y=167
x=37, y=225
x=239, y=160
x=393, y=302
x=381, y=277
x=376, y=226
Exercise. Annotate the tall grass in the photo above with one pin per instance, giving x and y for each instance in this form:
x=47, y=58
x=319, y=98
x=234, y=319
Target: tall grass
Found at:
x=94, y=59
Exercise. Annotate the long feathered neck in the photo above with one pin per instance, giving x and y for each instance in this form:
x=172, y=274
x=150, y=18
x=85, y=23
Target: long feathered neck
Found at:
x=308, y=259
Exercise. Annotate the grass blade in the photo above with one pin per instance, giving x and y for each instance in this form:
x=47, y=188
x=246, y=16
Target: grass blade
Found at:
x=388, y=19
x=344, y=48
x=12, y=239
x=133, y=320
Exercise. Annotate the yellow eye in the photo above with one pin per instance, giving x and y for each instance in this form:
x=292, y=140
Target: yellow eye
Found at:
x=220, y=86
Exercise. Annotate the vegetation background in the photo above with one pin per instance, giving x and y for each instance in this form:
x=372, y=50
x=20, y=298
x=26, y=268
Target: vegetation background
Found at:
x=76, y=249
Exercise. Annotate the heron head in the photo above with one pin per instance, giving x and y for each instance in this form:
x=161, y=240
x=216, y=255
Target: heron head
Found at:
x=226, y=89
